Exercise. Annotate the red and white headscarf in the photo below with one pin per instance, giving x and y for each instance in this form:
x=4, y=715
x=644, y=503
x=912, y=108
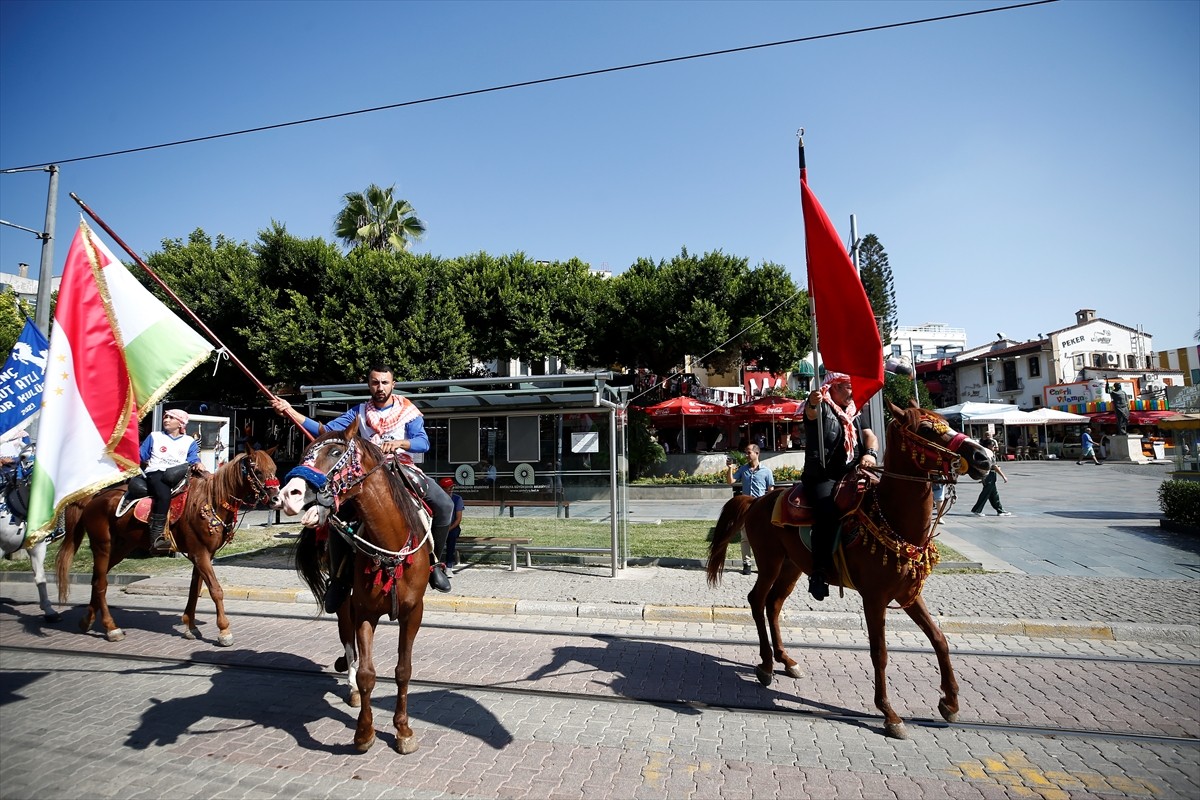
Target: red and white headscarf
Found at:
x=384, y=421
x=845, y=415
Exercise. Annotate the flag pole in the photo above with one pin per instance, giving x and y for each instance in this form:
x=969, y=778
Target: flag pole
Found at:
x=208, y=332
x=812, y=305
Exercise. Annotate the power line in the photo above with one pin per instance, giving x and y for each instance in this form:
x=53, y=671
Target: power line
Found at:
x=537, y=82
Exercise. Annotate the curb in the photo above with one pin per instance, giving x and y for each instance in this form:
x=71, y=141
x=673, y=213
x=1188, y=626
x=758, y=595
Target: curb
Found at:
x=725, y=615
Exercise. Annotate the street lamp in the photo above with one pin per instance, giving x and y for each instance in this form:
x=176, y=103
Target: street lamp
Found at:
x=45, y=276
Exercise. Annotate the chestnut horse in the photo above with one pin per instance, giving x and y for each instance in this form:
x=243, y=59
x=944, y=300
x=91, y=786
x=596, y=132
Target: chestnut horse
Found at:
x=346, y=488
x=889, y=561
x=207, y=524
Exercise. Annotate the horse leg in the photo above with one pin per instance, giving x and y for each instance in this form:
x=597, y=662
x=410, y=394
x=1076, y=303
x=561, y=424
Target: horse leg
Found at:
x=364, y=732
x=410, y=623
x=101, y=563
x=780, y=592
x=202, y=563
x=37, y=560
x=348, y=662
x=768, y=570
x=919, y=613
x=875, y=609
x=190, y=631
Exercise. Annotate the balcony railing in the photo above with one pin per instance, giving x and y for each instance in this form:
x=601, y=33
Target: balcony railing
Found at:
x=1010, y=386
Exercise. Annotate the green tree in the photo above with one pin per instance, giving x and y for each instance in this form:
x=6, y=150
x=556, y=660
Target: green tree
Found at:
x=876, y=277
x=220, y=281
x=13, y=311
x=783, y=335
x=375, y=219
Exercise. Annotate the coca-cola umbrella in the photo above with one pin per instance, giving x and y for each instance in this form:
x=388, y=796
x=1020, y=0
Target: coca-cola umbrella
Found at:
x=682, y=410
x=769, y=408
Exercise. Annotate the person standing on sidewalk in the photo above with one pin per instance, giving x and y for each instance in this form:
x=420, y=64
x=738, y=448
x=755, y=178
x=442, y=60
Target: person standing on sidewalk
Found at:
x=990, y=494
x=1088, y=446
x=756, y=481
x=455, y=521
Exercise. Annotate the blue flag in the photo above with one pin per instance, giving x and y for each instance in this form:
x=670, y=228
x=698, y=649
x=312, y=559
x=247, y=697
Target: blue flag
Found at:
x=22, y=378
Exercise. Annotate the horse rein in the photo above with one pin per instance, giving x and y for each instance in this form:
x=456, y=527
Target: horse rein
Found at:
x=333, y=488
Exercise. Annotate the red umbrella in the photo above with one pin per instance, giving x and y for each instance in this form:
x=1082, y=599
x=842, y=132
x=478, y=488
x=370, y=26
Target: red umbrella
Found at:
x=770, y=408
x=687, y=407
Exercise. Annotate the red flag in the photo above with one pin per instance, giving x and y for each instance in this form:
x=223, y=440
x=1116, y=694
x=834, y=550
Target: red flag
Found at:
x=848, y=336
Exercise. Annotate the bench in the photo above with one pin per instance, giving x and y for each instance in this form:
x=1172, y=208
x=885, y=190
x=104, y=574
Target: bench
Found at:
x=493, y=544
x=564, y=504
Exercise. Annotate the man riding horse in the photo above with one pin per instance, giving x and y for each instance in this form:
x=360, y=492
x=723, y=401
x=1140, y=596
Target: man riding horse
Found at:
x=847, y=444
x=394, y=424
x=162, y=452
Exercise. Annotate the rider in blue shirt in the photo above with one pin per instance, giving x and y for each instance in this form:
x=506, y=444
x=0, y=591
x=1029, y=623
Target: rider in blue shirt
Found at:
x=393, y=423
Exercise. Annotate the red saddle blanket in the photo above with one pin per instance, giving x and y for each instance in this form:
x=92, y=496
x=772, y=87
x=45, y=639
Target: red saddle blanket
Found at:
x=141, y=509
x=793, y=508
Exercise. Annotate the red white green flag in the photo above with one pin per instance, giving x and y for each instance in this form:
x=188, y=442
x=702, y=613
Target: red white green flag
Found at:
x=115, y=351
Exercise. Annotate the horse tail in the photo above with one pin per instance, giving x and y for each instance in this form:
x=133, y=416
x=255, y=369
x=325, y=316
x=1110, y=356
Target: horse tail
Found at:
x=728, y=524
x=73, y=525
x=308, y=563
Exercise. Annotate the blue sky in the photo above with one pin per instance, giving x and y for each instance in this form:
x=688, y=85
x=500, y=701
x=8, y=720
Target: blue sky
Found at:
x=1016, y=166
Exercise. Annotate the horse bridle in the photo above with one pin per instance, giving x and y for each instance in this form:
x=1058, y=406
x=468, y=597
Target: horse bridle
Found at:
x=930, y=456
x=261, y=487
x=333, y=486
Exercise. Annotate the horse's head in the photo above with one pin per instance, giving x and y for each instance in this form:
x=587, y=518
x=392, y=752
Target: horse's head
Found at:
x=258, y=469
x=327, y=475
x=928, y=444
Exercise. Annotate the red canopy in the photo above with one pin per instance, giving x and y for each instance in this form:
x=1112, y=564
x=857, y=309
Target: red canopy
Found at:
x=1135, y=417
x=769, y=409
x=687, y=407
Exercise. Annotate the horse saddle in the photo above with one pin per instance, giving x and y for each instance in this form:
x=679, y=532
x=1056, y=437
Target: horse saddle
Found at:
x=16, y=498
x=137, y=494
x=793, y=508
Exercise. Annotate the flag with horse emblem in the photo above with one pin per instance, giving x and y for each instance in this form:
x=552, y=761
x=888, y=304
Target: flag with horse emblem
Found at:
x=21, y=380
x=115, y=351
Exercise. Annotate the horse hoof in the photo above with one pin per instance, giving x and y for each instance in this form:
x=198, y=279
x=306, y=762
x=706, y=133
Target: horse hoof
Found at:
x=406, y=745
x=52, y=617
x=225, y=639
x=355, y=700
x=363, y=747
x=792, y=671
x=764, y=675
x=190, y=632
x=896, y=730
x=340, y=665
x=115, y=635
x=947, y=714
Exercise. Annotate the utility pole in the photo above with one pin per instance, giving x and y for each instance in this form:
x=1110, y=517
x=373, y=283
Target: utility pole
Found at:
x=45, y=276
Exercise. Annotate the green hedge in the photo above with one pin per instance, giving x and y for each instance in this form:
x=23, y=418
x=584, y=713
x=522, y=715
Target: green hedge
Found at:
x=682, y=478
x=1180, y=501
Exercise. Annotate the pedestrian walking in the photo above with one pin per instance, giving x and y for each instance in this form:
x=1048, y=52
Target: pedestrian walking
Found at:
x=990, y=494
x=1088, y=446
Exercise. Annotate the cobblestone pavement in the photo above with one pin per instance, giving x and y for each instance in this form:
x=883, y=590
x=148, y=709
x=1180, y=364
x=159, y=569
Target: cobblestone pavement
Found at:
x=561, y=681
x=561, y=707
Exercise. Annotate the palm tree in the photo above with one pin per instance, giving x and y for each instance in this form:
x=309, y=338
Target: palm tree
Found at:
x=377, y=220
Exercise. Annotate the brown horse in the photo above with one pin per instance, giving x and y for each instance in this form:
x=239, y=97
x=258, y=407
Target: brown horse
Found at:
x=893, y=517
x=345, y=487
x=207, y=524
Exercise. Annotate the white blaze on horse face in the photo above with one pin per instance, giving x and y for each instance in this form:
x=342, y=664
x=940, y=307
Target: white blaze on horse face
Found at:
x=293, y=496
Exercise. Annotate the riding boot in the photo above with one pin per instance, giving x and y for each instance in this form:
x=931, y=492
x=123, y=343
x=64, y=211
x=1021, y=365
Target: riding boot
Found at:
x=158, y=527
x=438, y=577
x=340, y=561
x=817, y=585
